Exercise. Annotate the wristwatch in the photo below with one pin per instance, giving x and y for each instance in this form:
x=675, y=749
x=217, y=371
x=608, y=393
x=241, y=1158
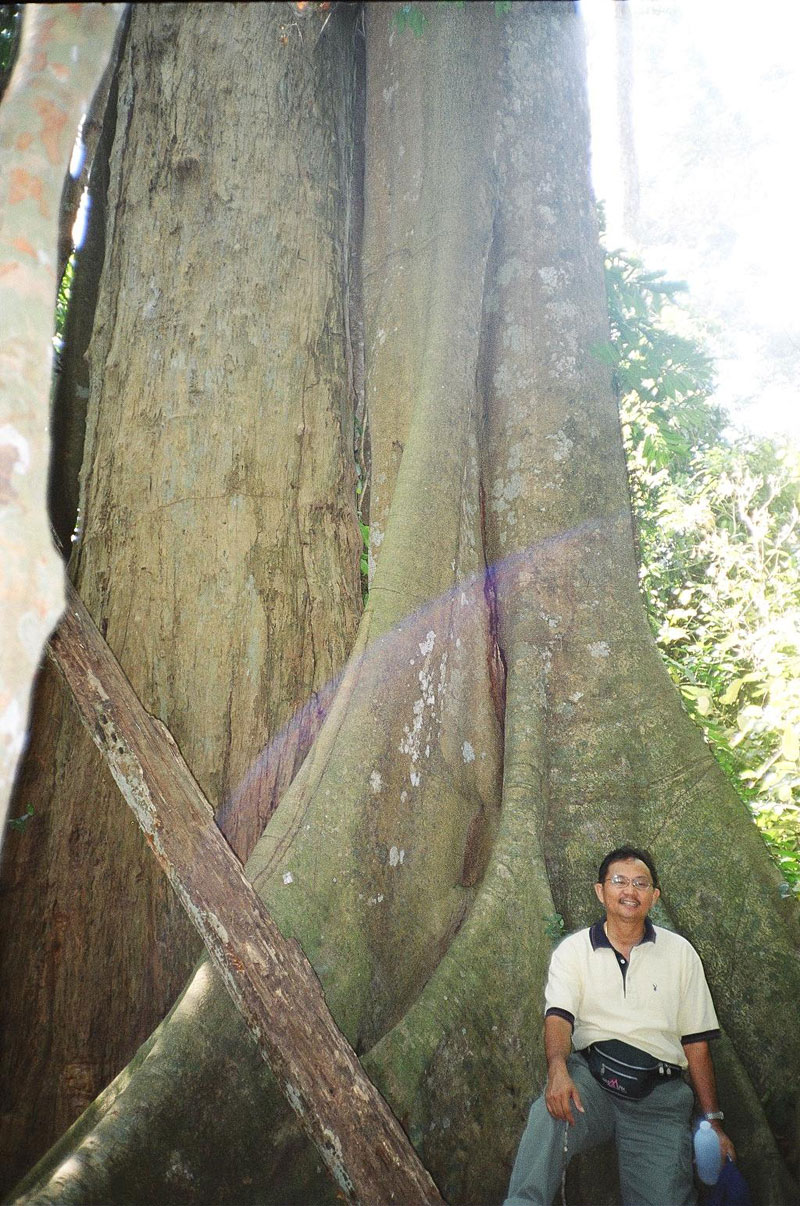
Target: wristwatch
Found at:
x=714, y=1115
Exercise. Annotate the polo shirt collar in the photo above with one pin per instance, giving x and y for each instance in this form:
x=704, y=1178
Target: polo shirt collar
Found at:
x=598, y=936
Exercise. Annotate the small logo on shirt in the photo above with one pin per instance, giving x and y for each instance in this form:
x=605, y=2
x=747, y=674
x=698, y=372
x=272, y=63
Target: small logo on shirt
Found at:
x=655, y=988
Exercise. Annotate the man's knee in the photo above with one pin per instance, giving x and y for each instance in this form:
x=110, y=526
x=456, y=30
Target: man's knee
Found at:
x=655, y=1149
x=548, y=1144
x=537, y=1167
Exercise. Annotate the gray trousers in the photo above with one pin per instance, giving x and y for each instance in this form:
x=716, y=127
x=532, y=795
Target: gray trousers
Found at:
x=653, y=1139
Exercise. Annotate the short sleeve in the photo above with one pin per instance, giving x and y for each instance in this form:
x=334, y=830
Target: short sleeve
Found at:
x=697, y=1018
x=563, y=992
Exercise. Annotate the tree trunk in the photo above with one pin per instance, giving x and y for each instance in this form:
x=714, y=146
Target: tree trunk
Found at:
x=504, y=717
x=219, y=547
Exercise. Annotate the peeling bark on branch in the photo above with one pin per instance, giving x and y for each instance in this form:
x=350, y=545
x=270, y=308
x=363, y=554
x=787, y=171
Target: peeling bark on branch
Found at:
x=268, y=977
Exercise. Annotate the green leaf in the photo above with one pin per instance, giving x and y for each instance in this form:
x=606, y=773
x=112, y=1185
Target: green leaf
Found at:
x=731, y=694
x=790, y=745
x=19, y=823
x=669, y=634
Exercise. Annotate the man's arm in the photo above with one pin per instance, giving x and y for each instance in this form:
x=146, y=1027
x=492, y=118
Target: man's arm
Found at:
x=561, y=1090
x=701, y=1071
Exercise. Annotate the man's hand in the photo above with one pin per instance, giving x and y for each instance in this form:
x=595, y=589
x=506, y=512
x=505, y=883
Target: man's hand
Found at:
x=726, y=1147
x=701, y=1072
x=560, y=1093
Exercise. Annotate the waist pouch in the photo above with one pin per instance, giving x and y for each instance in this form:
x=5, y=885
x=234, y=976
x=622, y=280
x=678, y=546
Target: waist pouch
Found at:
x=626, y=1071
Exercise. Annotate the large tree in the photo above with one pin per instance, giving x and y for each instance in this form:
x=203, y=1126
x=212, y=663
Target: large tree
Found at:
x=313, y=218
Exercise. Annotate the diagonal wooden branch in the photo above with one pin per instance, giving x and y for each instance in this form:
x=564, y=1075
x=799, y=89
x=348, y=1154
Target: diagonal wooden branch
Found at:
x=268, y=976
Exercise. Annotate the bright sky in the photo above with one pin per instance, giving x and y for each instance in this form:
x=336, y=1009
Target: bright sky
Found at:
x=715, y=102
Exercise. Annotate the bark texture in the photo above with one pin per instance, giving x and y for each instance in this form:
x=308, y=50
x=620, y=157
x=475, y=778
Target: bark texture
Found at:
x=504, y=717
x=219, y=548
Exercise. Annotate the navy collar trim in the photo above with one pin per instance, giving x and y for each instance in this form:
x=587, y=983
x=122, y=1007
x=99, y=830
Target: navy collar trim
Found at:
x=599, y=938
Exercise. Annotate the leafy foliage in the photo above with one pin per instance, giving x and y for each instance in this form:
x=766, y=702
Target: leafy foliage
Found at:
x=719, y=537
x=665, y=380
x=723, y=565
x=19, y=823
x=62, y=303
x=554, y=927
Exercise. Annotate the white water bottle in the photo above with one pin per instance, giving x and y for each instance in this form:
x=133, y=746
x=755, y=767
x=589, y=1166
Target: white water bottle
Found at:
x=707, y=1153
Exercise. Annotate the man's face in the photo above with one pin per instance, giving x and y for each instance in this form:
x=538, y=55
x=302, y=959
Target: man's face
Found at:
x=625, y=902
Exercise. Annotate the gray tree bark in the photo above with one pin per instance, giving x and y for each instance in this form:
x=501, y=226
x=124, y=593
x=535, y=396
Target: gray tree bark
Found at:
x=227, y=441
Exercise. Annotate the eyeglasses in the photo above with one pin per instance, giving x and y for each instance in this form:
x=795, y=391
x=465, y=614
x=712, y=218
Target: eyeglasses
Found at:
x=622, y=881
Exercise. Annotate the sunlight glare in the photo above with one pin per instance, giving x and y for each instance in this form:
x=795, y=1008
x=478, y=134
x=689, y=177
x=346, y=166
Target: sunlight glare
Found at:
x=81, y=222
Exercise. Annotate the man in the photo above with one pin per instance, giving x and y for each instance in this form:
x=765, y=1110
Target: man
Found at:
x=632, y=999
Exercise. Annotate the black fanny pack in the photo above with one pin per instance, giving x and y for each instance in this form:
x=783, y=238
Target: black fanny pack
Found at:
x=626, y=1071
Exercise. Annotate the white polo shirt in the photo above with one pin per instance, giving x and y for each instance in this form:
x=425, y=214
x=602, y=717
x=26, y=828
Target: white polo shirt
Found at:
x=656, y=1000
